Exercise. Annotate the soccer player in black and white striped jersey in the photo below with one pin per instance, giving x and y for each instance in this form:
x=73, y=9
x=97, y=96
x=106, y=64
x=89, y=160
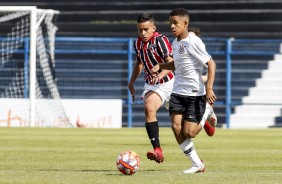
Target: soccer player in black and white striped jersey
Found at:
x=151, y=49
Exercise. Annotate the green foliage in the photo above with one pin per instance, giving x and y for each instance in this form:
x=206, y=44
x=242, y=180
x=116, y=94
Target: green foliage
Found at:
x=38, y=155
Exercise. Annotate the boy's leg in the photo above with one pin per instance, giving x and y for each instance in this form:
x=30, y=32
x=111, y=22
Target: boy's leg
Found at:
x=189, y=150
x=153, y=134
x=195, y=108
x=209, y=120
x=186, y=144
x=152, y=103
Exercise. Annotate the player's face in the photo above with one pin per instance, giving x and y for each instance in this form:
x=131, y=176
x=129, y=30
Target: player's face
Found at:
x=146, y=30
x=178, y=26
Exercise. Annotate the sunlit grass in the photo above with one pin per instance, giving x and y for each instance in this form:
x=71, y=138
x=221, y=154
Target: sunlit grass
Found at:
x=37, y=155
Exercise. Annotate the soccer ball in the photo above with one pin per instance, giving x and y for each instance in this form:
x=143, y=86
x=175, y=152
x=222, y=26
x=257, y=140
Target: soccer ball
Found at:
x=128, y=162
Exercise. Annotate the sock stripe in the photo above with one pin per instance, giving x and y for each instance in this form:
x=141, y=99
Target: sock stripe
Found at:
x=187, y=152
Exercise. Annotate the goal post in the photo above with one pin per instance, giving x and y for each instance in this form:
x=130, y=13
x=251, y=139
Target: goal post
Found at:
x=27, y=65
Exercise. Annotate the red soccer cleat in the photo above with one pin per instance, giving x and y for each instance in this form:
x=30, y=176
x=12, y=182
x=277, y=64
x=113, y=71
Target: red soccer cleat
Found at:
x=210, y=124
x=156, y=155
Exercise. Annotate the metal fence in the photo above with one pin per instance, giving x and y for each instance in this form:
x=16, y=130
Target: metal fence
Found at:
x=224, y=49
x=101, y=67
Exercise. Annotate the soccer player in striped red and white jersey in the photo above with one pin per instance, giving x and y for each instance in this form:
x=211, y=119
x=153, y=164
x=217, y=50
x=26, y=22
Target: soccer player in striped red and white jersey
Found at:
x=151, y=49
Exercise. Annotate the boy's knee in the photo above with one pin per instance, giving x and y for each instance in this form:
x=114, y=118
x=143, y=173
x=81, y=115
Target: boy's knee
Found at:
x=176, y=127
x=190, y=133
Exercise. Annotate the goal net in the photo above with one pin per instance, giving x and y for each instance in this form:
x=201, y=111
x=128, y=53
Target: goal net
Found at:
x=29, y=95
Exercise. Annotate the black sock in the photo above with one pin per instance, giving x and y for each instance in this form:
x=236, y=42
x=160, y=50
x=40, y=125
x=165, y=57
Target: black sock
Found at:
x=153, y=133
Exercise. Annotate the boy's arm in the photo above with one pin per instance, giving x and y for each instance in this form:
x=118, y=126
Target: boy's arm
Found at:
x=158, y=76
x=137, y=69
x=210, y=81
x=166, y=71
x=165, y=66
x=205, y=78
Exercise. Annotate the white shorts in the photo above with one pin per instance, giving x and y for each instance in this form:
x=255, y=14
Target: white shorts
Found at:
x=163, y=90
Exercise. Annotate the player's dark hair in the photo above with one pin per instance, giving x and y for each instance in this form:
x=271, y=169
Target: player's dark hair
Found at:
x=144, y=17
x=195, y=30
x=182, y=12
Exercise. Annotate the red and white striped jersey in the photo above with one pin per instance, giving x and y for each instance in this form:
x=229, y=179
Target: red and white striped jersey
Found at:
x=153, y=52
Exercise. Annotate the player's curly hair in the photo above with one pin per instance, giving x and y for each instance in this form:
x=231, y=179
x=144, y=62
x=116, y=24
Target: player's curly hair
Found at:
x=144, y=17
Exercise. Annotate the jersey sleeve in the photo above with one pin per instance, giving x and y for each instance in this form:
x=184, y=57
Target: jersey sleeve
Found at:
x=164, y=47
x=198, y=49
x=137, y=52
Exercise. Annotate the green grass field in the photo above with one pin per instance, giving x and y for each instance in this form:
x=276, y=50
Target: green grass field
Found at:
x=37, y=155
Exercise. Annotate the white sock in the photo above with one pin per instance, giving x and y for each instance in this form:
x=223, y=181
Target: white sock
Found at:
x=188, y=148
x=205, y=117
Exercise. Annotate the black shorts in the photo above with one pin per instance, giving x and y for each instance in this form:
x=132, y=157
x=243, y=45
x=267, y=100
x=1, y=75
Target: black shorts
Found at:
x=192, y=107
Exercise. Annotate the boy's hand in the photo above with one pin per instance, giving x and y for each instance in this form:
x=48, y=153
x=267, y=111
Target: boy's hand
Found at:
x=211, y=98
x=132, y=91
x=154, y=70
x=156, y=78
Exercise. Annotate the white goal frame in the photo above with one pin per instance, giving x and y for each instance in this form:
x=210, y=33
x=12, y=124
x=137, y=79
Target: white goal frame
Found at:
x=32, y=55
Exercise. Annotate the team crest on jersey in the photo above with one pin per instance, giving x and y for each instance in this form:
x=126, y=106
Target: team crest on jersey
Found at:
x=181, y=49
x=152, y=47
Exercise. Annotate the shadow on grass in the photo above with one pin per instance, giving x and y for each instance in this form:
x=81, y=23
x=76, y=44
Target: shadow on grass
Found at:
x=77, y=170
x=107, y=172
